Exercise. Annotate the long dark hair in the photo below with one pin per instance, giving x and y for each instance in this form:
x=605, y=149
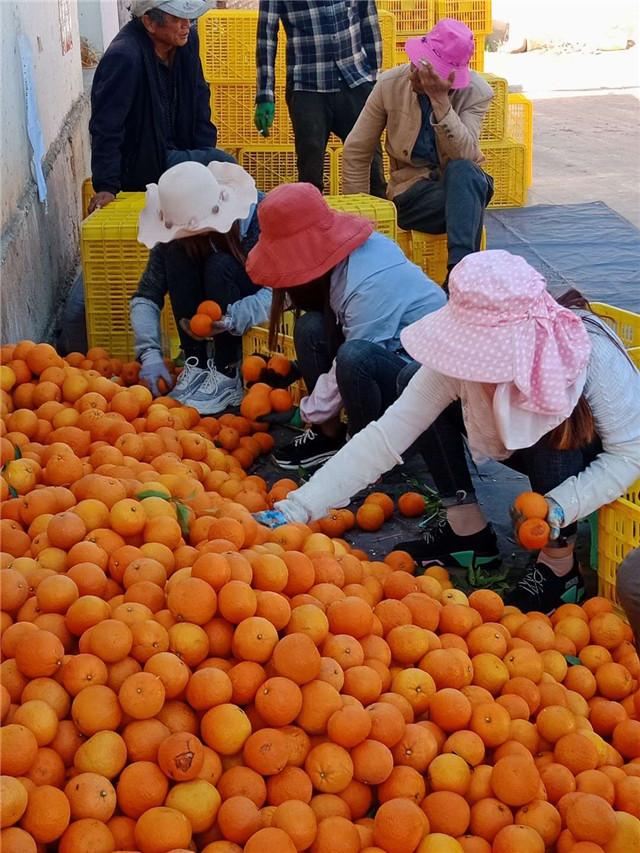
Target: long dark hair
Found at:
x=579, y=429
x=199, y=247
x=313, y=296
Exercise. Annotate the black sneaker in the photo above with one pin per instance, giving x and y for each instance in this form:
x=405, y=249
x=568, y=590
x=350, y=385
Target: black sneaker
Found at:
x=441, y=546
x=308, y=450
x=540, y=589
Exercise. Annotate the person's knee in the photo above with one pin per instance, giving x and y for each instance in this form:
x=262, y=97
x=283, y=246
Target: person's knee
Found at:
x=406, y=375
x=353, y=354
x=463, y=171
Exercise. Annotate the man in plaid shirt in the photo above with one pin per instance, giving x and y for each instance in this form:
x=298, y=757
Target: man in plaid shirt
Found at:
x=334, y=52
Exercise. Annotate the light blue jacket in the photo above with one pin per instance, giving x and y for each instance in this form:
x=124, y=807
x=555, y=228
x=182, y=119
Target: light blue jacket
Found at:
x=375, y=293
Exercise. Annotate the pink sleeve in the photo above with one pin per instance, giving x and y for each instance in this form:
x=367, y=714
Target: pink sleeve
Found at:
x=325, y=402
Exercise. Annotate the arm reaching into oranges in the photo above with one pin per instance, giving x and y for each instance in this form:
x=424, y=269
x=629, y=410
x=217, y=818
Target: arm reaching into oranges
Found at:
x=536, y=519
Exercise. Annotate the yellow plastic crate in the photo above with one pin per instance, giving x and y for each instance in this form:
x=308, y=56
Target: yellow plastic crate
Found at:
x=520, y=126
x=87, y=194
x=379, y=211
x=413, y=17
x=232, y=109
x=634, y=355
x=388, y=35
x=495, y=120
x=112, y=262
x=476, y=14
x=618, y=533
x=624, y=323
x=256, y=342
x=477, y=59
x=506, y=163
x=429, y=251
x=276, y=164
x=403, y=239
x=228, y=47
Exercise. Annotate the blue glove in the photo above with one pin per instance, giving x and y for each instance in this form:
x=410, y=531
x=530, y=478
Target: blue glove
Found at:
x=263, y=117
x=153, y=368
x=270, y=518
x=555, y=518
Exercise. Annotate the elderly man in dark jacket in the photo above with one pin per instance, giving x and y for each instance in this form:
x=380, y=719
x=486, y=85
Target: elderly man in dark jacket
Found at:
x=150, y=101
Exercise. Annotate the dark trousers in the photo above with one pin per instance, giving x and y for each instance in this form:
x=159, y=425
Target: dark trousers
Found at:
x=223, y=279
x=366, y=373
x=453, y=205
x=443, y=449
x=314, y=115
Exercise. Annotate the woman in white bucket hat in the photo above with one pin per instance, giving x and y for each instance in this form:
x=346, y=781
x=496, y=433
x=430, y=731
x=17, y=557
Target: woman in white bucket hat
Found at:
x=200, y=223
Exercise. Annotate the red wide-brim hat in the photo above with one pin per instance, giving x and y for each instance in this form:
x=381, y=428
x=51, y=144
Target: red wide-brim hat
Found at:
x=301, y=237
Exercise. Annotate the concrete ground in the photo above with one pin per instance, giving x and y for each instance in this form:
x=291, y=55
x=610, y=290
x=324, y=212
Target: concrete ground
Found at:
x=586, y=124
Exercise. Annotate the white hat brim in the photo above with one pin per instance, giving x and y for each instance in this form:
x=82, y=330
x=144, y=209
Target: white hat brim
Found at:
x=241, y=195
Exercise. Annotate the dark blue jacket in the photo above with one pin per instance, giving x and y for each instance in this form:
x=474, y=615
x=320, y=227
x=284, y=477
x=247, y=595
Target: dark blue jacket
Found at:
x=128, y=124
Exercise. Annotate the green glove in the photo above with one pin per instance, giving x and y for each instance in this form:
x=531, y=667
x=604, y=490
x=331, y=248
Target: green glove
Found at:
x=263, y=117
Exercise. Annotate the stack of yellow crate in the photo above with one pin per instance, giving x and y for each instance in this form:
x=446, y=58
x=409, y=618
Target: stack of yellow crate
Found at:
x=228, y=54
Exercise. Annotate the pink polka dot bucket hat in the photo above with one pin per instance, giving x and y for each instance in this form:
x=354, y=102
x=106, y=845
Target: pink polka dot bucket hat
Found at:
x=501, y=325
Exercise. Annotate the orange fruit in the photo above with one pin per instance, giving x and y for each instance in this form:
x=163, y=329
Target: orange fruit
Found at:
x=399, y=825
x=533, y=533
x=210, y=309
x=515, y=780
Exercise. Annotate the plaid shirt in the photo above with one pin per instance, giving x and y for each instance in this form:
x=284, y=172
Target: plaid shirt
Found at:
x=329, y=43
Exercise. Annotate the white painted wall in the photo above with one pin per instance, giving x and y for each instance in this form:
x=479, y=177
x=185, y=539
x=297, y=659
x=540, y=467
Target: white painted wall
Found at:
x=99, y=22
x=57, y=80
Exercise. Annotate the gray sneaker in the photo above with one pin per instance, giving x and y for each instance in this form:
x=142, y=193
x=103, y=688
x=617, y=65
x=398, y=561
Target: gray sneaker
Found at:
x=191, y=378
x=215, y=393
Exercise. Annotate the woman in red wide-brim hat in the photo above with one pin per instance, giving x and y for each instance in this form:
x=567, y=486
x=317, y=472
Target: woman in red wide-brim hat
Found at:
x=358, y=292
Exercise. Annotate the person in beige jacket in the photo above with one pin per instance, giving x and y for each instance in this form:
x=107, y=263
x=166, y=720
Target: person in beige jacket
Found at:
x=432, y=110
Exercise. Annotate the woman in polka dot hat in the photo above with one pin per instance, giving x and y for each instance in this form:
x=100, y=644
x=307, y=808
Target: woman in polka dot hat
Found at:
x=545, y=389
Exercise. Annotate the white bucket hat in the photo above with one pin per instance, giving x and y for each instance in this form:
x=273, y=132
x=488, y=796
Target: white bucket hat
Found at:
x=192, y=199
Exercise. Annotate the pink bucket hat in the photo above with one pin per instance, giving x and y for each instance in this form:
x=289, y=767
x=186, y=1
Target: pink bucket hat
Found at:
x=447, y=47
x=501, y=325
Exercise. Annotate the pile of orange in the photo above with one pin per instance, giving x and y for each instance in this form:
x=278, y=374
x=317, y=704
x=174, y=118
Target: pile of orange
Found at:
x=177, y=677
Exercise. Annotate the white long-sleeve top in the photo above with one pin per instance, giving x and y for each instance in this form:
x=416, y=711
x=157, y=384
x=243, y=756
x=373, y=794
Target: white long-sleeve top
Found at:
x=612, y=390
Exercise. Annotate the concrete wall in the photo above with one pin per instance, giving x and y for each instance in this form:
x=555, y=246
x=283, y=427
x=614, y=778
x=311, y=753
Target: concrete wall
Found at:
x=39, y=243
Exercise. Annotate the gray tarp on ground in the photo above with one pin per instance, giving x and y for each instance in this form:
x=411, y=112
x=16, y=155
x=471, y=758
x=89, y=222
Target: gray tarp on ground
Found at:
x=587, y=246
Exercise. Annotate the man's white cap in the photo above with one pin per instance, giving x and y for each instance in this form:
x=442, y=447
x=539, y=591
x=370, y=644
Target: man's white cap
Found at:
x=180, y=8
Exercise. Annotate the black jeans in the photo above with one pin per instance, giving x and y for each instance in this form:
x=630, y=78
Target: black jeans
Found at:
x=443, y=449
x=223, y=279
x=453, y=205
x=366, y=373
x=314, y=115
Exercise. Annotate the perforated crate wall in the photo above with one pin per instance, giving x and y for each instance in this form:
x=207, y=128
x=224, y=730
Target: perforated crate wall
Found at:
x=495, y=120
x=626, y=324
x=112, y=262
x=380, y=212
x=388, y=34
x=430, y=253
x=618, y=534
x=337, y=155
x=232, y=109
x=506, y=163
x=228, y=47
x=520, y=126
x=276, y=164
x=476, y=14
x=413, y=17
x=477, y=60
